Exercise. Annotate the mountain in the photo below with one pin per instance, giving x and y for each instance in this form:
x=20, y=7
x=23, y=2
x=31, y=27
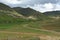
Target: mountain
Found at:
x=27, y=11
x=9, y=15
x=17, y=24
x=52, y=13
x=9, y=11
x=5, y=7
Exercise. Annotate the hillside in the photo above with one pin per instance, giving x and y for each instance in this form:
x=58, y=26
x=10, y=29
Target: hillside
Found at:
x=5, y=7
x=52, y=13
x=27, y=11
x=19, y=24
x=19, y=12
x=9, y=11
x=30, y=13
x=26, y=15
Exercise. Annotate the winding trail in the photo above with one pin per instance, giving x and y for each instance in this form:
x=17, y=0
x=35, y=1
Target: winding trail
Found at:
x=15, y=32
x=41, y=36
x=42, y=29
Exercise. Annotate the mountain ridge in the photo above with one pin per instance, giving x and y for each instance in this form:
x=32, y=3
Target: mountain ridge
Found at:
x=26, y=12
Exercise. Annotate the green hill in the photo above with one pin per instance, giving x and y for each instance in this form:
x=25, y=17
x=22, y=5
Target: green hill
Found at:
x=27, y=11
x=9, y=15
x=17, y=24
x=26, y=15
x=30, y=13
x=5, y=7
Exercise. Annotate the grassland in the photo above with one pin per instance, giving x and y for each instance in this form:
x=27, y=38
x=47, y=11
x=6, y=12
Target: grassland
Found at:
x=21, y=32
x=12, y=28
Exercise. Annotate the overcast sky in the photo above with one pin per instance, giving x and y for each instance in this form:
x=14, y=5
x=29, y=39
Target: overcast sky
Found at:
x=39, y=5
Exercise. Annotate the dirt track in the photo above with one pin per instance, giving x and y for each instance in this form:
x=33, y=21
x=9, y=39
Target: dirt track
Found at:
x=41, y=36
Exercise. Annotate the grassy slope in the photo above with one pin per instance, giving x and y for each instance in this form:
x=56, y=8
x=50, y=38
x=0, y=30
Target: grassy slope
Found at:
x=7, y=22
x=12, y=28
x=11, y=24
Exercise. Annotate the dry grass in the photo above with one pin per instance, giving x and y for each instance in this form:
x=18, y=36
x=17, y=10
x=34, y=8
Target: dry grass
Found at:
x=5, y=35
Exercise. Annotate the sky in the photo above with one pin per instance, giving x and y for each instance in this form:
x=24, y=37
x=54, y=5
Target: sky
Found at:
x=39, y=5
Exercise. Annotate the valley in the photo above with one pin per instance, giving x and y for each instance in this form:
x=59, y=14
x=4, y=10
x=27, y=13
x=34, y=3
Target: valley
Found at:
x=28, y=24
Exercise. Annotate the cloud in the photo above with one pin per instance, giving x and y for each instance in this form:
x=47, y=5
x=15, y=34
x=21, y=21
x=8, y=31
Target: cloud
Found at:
x=45, y=7
x=15, y=1
x=57, y=7
x=39, y=5
x=28, y=2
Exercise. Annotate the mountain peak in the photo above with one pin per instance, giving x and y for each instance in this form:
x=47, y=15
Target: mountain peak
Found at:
x=26, y=11
x=4, y=7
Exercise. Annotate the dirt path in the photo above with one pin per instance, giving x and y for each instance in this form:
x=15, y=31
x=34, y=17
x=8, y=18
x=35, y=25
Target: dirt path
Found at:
x=58, y=33
x=26, y=33
x=42, y=29
x=41, y=36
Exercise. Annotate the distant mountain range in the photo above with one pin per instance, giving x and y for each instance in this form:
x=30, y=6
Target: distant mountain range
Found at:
x=19, y=12
x=52, y=13
x=26, y=12
x=34, y=19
